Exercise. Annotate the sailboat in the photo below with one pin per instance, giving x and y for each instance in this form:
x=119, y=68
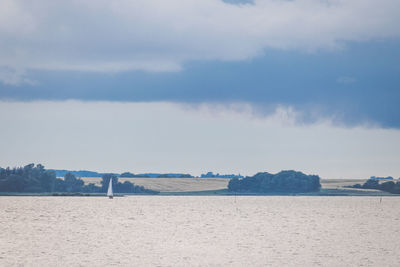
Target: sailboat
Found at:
x=110, y=191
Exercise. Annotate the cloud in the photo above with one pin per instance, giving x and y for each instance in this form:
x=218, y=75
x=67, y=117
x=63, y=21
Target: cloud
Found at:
x=15, y=77
x=160, y=36
x=271, y=53
x=312, y=84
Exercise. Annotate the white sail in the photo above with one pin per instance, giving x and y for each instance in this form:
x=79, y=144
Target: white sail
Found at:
x=110, y=191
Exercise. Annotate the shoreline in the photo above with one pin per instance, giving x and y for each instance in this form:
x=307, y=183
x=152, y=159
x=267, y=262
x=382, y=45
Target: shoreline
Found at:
x=221, y=192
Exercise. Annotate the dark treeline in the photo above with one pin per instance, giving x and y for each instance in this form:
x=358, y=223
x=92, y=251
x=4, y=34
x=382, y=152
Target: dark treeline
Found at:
x=131, y=175
x=169, y=175
x=162, y=175
x=389, y=186
x=284, y=181
x=36, y=179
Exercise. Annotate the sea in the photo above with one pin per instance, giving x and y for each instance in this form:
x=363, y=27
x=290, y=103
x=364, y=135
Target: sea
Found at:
x=200, y=231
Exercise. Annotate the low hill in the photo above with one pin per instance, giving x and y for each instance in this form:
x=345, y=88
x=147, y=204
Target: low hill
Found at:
x=209, y=184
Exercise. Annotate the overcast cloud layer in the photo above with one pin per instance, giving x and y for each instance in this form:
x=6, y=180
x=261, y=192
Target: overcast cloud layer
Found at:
x=151, y=35
x=323, y=58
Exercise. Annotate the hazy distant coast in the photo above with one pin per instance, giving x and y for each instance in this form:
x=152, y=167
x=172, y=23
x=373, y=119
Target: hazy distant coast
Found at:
x=86, y=173
x=37, y=181
x=218, y=186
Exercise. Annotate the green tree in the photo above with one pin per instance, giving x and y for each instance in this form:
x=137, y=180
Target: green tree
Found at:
x=284, y=181
x=72, y=184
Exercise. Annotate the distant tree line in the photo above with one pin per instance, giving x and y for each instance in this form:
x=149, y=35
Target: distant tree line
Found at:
x=217, y=175
x=169, y=175
x=36, y=179
x=390, y=186
x=163, y=175
x=81, y=173
x=284, y=181
x=131, y=175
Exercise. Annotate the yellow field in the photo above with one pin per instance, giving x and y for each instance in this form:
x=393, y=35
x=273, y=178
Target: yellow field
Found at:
x=340, y=183
x=172, y=184
x=202, y=184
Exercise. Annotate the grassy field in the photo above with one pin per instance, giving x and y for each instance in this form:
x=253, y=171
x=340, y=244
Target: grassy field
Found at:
x=340, y=183
x=172, y=184
x=168, y=185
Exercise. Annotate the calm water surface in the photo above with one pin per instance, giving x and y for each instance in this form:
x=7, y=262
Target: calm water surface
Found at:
x=200, y=231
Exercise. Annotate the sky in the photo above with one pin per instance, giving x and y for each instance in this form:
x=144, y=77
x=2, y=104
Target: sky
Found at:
x=196, y=86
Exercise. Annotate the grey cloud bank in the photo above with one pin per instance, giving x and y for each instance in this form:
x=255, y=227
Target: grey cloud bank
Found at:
x=114, y=36
x=325, y=59
x=354, y=86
